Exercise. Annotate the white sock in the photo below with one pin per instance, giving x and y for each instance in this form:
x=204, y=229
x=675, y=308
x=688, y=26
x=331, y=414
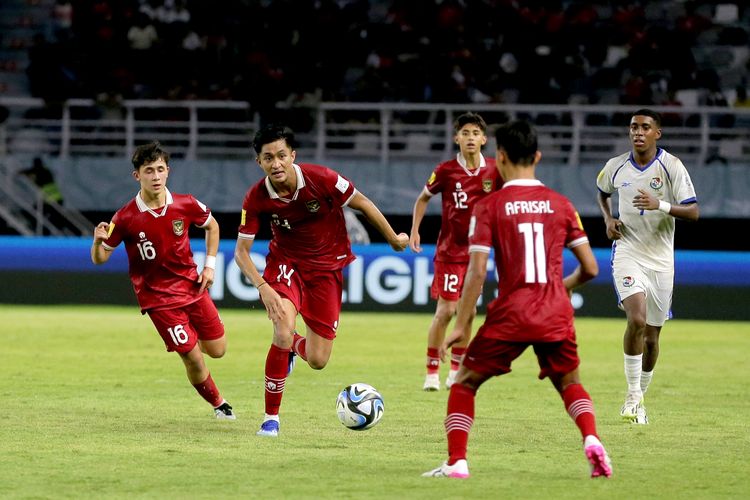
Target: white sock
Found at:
x=633, y=372
x=268, y=417
x=646, y=380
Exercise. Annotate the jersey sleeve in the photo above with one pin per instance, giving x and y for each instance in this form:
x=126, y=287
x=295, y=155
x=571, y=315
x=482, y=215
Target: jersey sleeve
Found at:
x=575, y=232
x=341, y=188
x=683, y=190
x=604, y=179
x=434, y=184
x=250, y=216
x=200, y=214
x=115, y=232
x=480, y=229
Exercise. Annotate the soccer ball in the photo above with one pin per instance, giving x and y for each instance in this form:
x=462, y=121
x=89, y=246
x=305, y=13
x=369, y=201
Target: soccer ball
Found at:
x=359, y=406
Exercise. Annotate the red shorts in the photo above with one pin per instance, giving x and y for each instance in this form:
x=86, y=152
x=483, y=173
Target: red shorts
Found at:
x=448, y=280
x=315, y=294
x=494, y=356
x=181, y=327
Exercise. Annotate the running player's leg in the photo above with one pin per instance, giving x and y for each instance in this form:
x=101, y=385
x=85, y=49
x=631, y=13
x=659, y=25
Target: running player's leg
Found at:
x=559, y=361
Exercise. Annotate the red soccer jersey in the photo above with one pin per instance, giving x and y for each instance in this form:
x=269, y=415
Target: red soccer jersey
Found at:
x=528, y=225
x=460, y=189
x=309, y=229
x=161, y=264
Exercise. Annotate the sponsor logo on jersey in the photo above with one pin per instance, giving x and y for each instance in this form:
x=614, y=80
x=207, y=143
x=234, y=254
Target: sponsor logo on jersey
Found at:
x=431, y=179
x=656, y=183
x=487, y=185
x=178, y=226
x=276, y=220
x=312, y=206
x=110, y=229
x=628, y=281
x=243, y=217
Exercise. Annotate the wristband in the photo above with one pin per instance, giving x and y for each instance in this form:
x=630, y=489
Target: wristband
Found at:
x=210, y=262
x=665, y=206
x=257, y=287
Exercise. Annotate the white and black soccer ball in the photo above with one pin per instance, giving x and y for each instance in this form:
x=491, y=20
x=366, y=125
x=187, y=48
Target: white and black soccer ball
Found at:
x=359, y=406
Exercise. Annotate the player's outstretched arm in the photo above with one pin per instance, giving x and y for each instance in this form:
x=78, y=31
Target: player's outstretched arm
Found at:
x=420, y=206
x=99, y=254
x=587, y=269
x=397, y=241
x=473, y=284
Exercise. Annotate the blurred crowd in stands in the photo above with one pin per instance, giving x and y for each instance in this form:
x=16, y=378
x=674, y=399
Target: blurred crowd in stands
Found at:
x=292, y=52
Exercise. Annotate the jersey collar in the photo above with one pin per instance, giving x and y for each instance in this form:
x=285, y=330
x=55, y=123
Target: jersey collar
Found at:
x=522, y=182
x=300, y=184
x=462, y=161
x=645, y=167
x=144, y=208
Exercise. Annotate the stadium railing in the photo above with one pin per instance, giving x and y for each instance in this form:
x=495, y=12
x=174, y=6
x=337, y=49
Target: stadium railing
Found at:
x=572, y=134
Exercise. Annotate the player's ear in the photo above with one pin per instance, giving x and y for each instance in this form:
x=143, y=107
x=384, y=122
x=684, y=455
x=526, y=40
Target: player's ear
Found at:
x=137, y=175
x=500, y=156
x=537, y=157
x=658, y=133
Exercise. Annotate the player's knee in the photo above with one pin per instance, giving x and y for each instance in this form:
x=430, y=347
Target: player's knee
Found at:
x=217, y=352
x=445, y=313
x=637, y=322
x=316, y=363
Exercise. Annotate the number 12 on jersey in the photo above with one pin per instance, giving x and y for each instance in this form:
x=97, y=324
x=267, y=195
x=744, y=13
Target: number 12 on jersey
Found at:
x=535, y=257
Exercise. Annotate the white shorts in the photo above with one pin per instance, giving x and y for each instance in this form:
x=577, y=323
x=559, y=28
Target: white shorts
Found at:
x=631, y=278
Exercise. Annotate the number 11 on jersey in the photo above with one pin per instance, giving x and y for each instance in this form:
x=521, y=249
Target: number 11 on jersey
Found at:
x=535, y=257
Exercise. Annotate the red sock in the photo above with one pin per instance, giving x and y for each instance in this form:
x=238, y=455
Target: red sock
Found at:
x=299, y=346
x=433, y=360
x=208, y=391
x=456, y=354
x=580, y=408
x=458, y=421
x=277, y=365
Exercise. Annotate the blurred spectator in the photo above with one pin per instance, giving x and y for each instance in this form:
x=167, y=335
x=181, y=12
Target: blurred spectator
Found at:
x=142, y=36
x=40, y=175
x=62, y=20
x=741, y=100
x=388, y=50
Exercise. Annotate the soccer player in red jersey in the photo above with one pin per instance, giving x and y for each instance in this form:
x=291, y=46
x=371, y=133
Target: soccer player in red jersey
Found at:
x=154, y=227
x=461, y=183
x=306, y=255
x=528, y=225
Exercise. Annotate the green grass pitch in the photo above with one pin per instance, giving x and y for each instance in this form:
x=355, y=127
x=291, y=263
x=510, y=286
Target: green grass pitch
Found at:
x=93, y=407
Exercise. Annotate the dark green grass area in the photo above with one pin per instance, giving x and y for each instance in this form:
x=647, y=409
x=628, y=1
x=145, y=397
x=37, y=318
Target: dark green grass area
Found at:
x=95, y=408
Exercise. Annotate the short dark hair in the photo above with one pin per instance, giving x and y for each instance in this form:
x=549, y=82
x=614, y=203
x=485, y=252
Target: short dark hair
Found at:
x=650, y=113
x=149, y=153
x=519, y=141
x=273, y=133
x=466, y=118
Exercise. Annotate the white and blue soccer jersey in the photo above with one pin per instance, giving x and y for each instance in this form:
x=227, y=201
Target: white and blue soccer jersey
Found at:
x=647, y=235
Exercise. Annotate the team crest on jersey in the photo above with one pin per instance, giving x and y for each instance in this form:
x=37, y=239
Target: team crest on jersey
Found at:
x=628, y=281
x=178, y=226
x=656, y=183
x=487, y=185
x=312, y=206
